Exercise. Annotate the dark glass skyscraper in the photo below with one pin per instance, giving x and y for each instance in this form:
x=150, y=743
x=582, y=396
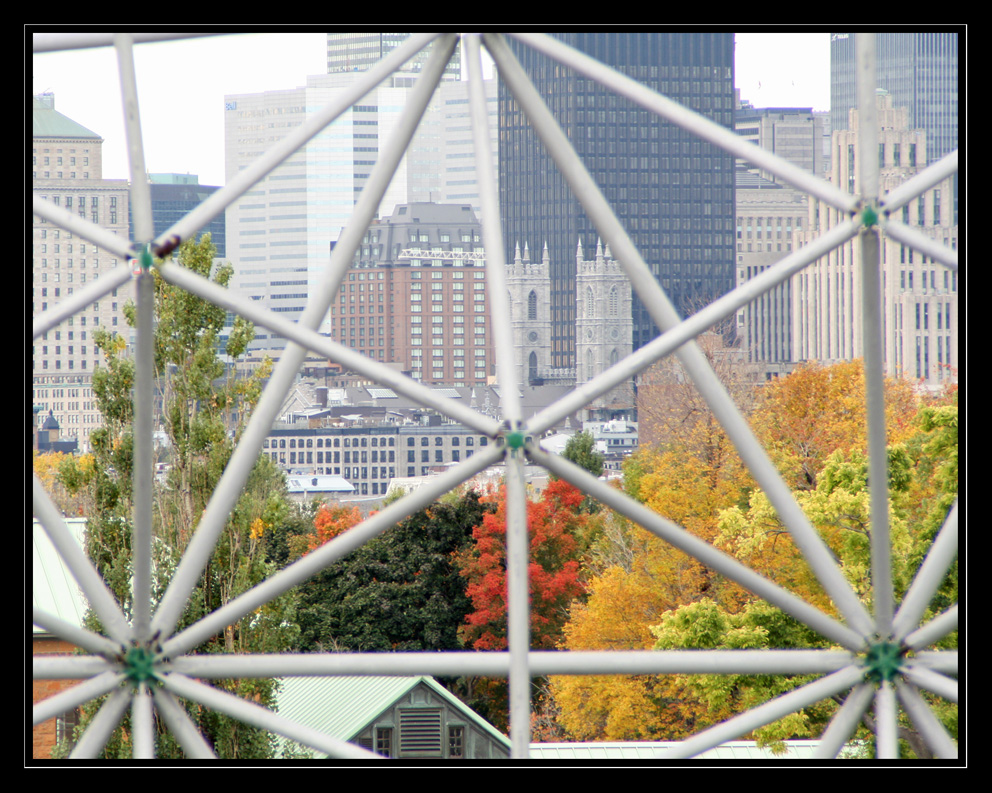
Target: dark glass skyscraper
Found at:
x=673, y=192
x=920, y=72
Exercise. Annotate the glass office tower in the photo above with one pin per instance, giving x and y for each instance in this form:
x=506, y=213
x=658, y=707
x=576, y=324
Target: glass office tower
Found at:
x=673, y=193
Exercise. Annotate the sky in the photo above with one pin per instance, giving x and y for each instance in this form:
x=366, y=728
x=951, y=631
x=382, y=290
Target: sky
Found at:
x=182, y=84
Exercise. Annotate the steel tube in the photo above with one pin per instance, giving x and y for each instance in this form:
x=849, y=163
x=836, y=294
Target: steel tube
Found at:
x=518, y=605
x=940, y=685
x=257, y=716
x=140, y=199
x=90, y=581
x=845, y=721
x=81, y=637
x=928, y=578
x=313, y=341
x=689, y=120
x=689, y=328
x=81, y=227
x=499, y=305
x=497, y=664
x=931, y=176
x=886, y=726
x=665, y=317
x=218, y=201
x=908, y=235
x=144, y=377
x=142, y=725
x=712, y=557
x=768, y=712
x=337, y=548
x=229, y=488
x=70, y=698
x=77, y=302
x=69, y=667
x=933, y=631
x=56, y=42
x=878, y=477
x=939, y=660
x=928, y=725
x=181, y=726
x=96, y=735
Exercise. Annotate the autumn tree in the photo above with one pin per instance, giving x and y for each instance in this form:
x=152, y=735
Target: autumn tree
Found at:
x=400, y=591
x=203, y=409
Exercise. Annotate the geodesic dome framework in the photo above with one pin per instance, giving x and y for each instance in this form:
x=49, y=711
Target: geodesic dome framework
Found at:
x=145, y=664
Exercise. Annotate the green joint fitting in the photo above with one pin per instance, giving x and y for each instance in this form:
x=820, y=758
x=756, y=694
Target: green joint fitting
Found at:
x=139, y=665
x=869, y=217
x=516, y=439
x=882, y=661
x=145, y=258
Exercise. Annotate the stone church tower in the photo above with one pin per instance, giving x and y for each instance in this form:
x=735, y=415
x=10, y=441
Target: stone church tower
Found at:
x=529, y=284
x=604, y=326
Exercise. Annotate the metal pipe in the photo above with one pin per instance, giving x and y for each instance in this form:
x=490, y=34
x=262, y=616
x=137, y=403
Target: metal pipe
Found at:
x=931, y=176
x=518, y=604
x=499, y=305
x=96, y=735
x=768, y=712
x=886, y=726
x=928, y=578
x=80, y=637
x=69, y=667
x=70, y=698
x=915, y=239
x=845, y=721
x=142, y=725
x=56, y=42
x=73, y=304
x=183, y=729
x=928, y=725
x=144, y=376
x=939, y=660
x=257, y=716
x=497, y=664
x=91, y=232
x=940, y=685
x=90, y=581
x=936, y=629
x=140, y=199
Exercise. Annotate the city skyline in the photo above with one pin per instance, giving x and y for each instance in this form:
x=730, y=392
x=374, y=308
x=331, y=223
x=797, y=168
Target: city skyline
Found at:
x=201, y=71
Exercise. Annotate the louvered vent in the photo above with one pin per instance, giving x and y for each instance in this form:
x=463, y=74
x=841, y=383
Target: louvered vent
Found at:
x=420, y=732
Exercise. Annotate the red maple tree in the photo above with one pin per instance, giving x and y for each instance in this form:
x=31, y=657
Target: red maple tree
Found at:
x=553, y=571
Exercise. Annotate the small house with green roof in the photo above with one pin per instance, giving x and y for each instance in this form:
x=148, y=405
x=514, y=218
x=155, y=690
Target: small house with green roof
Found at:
x=403, y=717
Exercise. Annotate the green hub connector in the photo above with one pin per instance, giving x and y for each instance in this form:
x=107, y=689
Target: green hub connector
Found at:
x=139, y=666
x=146, y=258
x=869, y=217
x=882, y=662
x=515, y=440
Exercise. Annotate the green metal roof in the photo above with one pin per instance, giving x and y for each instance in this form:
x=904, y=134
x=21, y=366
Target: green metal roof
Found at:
x=49, y=123
x=54, y=590
x=341, y=707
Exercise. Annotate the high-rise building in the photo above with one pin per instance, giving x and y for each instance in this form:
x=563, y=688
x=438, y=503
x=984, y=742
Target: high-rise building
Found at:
x=175, y=195
x=673, y=192
x=792, y=133
x=920, y=72
x=67, y=170
x=359, y=52
x=920, y=296
x=417, y=296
